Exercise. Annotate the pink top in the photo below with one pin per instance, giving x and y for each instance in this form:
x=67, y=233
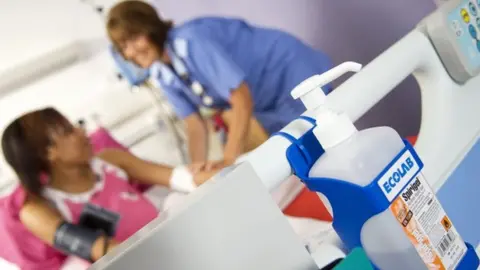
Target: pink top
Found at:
x=112, y=192
x=102, y=139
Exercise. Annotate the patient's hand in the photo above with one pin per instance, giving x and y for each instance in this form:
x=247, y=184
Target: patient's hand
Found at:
x=202, y=176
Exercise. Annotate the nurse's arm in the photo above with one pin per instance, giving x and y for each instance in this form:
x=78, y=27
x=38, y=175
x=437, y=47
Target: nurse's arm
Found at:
x=197, y=134
x=242, y=107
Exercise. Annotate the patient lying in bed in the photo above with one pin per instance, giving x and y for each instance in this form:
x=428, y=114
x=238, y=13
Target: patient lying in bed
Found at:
x=61, y=178
x=63, y=184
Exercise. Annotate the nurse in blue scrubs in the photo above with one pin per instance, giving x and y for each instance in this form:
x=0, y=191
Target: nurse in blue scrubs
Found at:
x=221, y=64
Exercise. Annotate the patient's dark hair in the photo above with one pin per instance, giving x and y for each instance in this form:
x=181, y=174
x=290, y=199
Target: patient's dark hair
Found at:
x=25, y=144
x=131, y=18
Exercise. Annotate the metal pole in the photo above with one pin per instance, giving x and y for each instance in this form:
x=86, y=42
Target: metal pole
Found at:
x=178, y=134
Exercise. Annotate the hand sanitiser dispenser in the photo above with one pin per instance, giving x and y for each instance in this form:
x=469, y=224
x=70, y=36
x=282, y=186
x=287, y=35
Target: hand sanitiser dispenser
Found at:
x=378, y=196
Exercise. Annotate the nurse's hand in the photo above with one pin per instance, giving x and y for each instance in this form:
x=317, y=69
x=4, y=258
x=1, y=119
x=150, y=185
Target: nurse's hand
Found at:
x=196, y=167
x=219, y=164
x=204, y=176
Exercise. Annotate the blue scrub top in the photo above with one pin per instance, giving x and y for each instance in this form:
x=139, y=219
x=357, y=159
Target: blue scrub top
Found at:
x=221, y=53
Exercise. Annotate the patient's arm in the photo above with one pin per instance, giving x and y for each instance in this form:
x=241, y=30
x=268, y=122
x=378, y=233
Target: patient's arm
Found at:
x=141, y=170
x=148, y=172
x=42, y=221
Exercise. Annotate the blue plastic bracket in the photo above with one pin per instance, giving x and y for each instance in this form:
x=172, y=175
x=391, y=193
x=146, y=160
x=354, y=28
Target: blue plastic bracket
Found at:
x=368, y=200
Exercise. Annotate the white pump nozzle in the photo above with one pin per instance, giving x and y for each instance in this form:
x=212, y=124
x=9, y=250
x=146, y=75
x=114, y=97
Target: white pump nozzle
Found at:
x=333, y=128
x=310, y=91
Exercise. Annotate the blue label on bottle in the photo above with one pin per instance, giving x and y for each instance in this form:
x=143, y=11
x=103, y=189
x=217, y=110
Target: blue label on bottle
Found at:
x=398, y=175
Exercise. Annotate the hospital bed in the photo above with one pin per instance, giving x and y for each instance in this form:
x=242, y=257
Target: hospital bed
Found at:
x=232, y=223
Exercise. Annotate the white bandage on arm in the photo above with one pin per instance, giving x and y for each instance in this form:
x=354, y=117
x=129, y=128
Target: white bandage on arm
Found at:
x=182, y=180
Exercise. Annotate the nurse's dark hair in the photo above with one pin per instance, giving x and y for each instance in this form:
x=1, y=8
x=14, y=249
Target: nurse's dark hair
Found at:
x=25, y=143
x=131, y=18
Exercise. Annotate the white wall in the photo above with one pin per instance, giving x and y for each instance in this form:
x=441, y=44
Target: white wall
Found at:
x=29, y=27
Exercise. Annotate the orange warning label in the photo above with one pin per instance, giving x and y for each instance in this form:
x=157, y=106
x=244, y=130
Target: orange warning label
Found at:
x=427, y=226
x=415, y=234
x=446, y=223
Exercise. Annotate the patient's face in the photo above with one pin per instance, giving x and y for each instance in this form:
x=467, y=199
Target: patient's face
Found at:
x=140, y=50
x=70, y=146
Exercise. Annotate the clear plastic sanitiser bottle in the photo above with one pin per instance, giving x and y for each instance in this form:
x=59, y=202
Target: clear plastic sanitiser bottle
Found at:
x=411, y=233
x=371, y=180
x=358, y=157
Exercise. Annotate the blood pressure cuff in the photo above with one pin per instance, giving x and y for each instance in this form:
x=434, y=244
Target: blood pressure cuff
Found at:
x=76, y=240
x=96, y=217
